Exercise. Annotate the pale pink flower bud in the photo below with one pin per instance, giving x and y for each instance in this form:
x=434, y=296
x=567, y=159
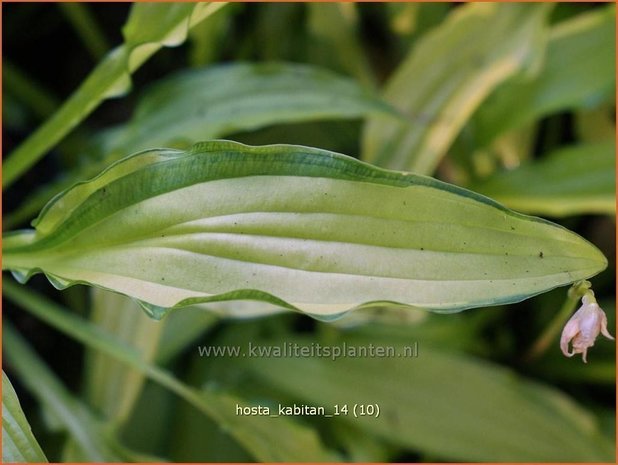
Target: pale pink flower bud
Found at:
x=584, y=327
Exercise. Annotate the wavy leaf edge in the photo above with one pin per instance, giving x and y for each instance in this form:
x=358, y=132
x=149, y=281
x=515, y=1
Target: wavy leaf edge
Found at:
x=26, y=238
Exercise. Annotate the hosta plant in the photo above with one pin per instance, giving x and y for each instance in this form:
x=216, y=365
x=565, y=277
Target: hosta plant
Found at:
x=311, y=176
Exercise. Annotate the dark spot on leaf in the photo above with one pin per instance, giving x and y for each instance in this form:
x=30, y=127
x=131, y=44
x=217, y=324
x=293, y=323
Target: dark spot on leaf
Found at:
x=540, y=254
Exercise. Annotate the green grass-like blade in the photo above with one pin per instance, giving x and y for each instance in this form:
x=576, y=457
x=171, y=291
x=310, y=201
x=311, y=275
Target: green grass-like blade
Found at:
x=86, y=27
x=578, y=71
x=18, y=442
x=41, y=102
x=334, y=39
x=446, y=77
x=267, y=439
x=150, y=27
x=182, y=329
x=111, y=386
x=87, y=431
x=294, y=227
x=574, y=180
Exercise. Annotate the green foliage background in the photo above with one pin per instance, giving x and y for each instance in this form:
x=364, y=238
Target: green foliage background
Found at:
x=514, y=101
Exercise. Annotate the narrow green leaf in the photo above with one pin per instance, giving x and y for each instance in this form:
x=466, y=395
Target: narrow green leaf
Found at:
x=579, y=70
x=18, y=442
x=208, y=103
x=37, y=98
x=150, y=27
x=205, y=39
x=15, y=115
x=334, y=40
x=274, y=31
x=113, y=387
x=182, y=328
x=573, y=180
x=267, y=439
x=86, y=27
x=195, y=105
x=293, y=227
x=439, y=403
x=449, y=72
x=195, y=438
x=84, y=428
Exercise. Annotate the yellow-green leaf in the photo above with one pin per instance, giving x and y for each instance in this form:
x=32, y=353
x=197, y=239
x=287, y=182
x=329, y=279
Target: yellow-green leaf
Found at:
x=447, y=75
x=574, y=180
x=578, y=71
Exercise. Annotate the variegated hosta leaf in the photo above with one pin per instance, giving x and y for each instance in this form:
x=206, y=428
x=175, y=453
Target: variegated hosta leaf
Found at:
x=294, y=227
x=446, y=77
